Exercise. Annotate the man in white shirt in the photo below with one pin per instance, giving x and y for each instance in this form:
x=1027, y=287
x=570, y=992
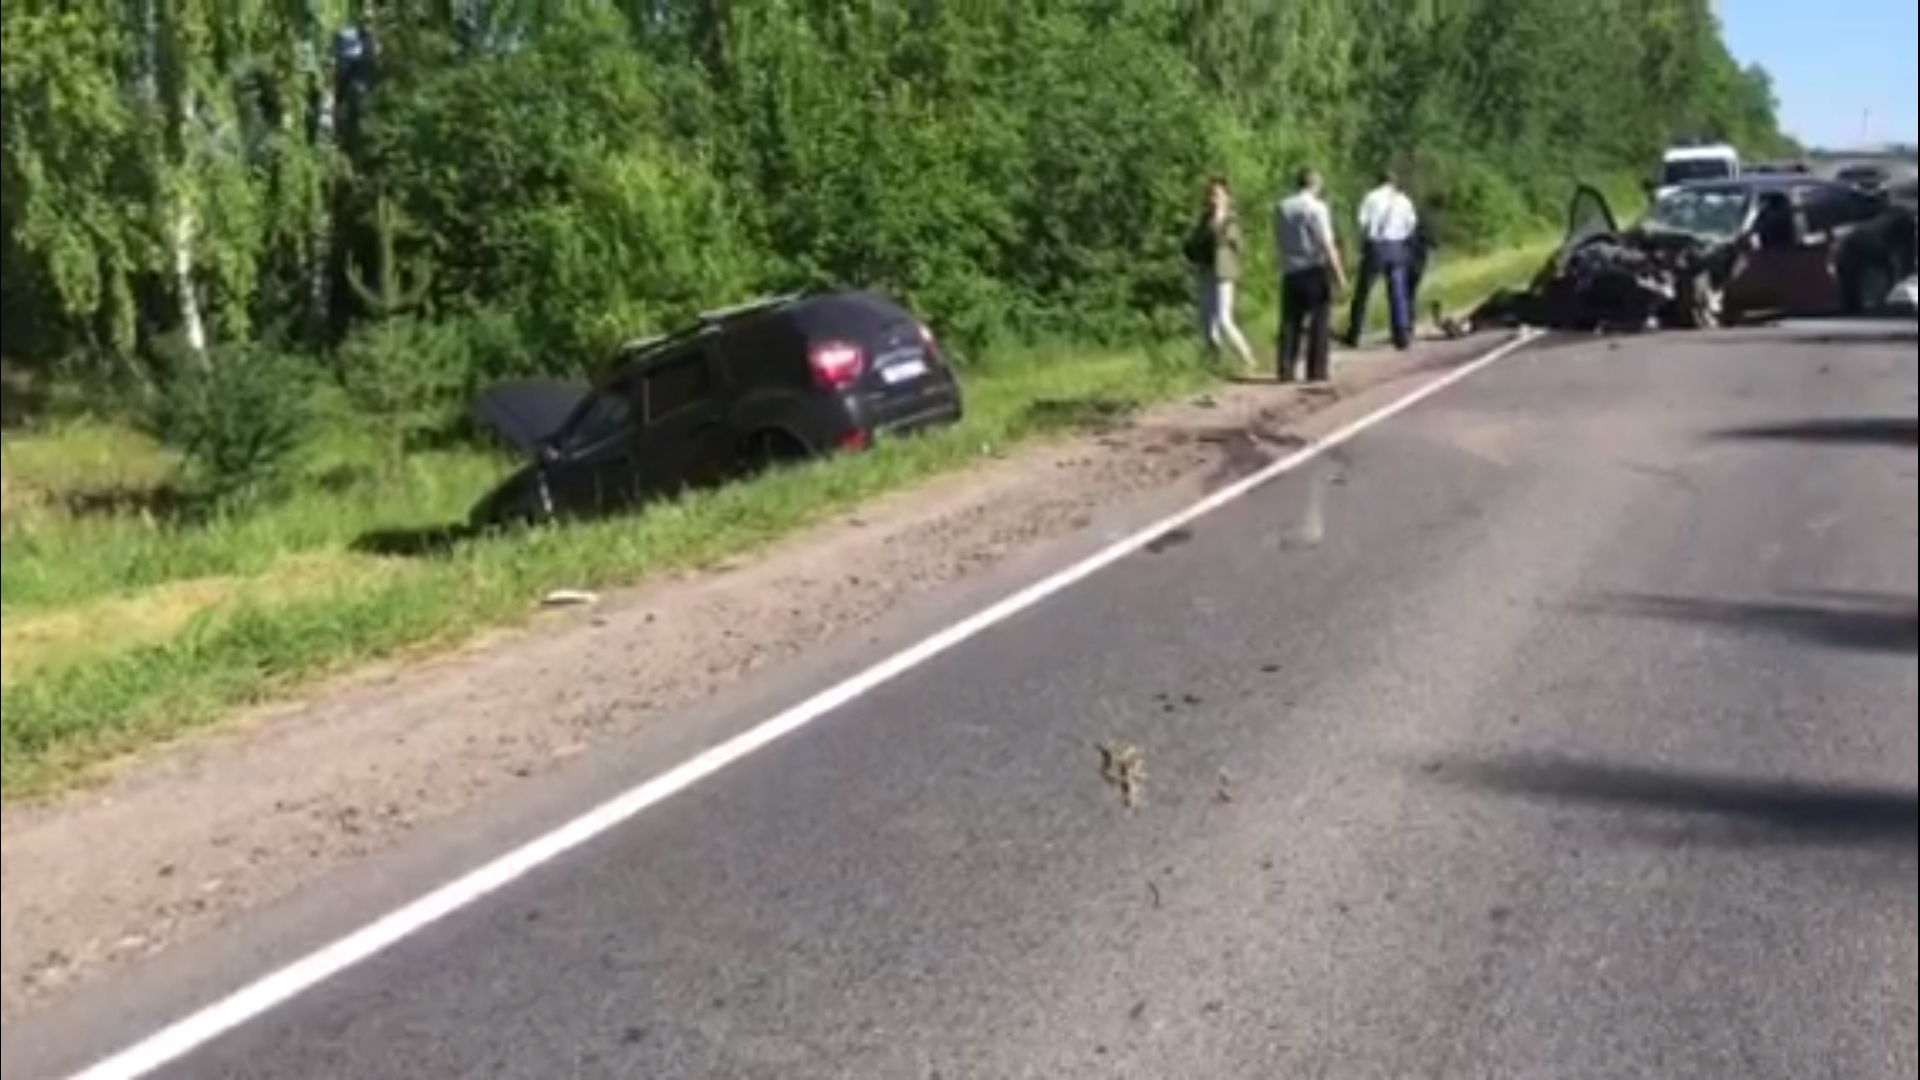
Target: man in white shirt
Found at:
x=1311, y=273
x=1388, y=223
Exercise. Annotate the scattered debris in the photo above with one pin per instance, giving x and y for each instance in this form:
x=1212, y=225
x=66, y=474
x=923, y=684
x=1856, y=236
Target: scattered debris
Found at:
x=569, y=598
x=1124, y=767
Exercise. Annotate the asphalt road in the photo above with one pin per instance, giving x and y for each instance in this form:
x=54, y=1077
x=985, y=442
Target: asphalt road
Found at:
x=1562, y=727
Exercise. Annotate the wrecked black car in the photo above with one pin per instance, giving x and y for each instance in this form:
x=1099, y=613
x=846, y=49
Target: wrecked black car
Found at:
x=737, y=391
x=1713, y=253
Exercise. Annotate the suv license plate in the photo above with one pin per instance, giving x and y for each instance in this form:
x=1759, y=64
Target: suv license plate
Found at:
x=903, y=372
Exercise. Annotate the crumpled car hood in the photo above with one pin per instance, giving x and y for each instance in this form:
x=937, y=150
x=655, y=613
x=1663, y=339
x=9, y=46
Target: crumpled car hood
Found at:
x=526, y=413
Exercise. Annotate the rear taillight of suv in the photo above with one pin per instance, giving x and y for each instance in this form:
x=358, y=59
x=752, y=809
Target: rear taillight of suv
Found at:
x=837, y=365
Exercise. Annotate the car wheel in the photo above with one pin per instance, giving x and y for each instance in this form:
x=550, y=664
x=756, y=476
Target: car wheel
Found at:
x=771, y=449
x=1702, y=304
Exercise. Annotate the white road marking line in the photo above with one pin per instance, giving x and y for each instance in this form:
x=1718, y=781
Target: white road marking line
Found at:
x=256, y=999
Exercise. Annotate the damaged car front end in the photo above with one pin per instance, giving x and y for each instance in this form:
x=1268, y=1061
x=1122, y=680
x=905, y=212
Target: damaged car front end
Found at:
x=1669, y=271
x=1709, y=254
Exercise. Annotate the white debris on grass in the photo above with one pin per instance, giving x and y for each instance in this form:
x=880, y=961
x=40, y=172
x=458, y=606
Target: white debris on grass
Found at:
x=568, y=598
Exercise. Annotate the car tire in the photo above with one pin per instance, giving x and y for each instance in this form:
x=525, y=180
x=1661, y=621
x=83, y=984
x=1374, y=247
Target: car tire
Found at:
x=769, y=449
x=1702, y=304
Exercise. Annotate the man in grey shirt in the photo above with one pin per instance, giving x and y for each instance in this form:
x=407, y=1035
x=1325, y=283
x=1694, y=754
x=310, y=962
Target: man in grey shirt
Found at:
x=1311, y=275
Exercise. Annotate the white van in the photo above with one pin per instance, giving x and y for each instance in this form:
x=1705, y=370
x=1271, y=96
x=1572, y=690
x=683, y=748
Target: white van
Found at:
x=1688, y=164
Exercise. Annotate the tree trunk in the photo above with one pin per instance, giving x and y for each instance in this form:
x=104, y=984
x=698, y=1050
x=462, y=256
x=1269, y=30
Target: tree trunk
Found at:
x=193, y=324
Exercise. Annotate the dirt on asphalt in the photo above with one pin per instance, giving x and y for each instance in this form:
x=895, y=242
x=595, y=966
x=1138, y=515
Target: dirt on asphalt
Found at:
x=280, y=797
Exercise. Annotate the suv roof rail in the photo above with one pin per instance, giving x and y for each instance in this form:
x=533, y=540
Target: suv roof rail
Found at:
x=706, y=321
x=641, y=344
x=765, y=303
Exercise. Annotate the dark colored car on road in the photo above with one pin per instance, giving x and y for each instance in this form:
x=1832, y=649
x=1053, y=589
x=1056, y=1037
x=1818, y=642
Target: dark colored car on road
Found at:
x=1714, y=252
x=779, y=380
x=1866, y=177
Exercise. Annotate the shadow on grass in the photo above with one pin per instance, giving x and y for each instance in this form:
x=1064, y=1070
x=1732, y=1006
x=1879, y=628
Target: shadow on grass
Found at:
x=165, y=503
x=421, y=542
x=22, y=400
x=1851, y=621
x=1767, y=811
x=1897, y=431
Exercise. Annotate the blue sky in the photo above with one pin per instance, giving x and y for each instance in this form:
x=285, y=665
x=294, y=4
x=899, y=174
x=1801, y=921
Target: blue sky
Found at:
x=1831, y=62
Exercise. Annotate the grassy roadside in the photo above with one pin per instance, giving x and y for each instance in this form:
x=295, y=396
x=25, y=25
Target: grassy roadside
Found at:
x=122, y=631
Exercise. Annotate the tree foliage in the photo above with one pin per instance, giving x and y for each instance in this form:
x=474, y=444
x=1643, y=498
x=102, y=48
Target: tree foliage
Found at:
x=575, y=173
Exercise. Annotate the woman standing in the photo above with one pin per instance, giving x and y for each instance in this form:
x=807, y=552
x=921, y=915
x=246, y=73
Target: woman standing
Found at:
x=1214, y=249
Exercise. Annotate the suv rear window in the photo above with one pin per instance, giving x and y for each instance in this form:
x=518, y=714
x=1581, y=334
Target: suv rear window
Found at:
x=852, y=316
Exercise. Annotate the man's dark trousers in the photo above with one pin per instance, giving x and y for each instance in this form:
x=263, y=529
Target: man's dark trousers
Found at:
x=1306, y=321
x=1391, y=260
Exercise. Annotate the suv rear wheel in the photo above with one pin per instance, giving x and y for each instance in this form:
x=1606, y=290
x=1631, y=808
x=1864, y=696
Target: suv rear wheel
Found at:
x=769, y=449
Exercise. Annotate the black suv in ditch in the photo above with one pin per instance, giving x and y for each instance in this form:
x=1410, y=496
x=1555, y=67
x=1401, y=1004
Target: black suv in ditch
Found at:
x=778, y=380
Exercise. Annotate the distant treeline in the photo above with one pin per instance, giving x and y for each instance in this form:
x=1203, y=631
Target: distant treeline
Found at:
x=495, y=187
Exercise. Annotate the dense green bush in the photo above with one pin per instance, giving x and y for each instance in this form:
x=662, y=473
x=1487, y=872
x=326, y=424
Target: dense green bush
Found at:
x=577, y=173
x=238, y=422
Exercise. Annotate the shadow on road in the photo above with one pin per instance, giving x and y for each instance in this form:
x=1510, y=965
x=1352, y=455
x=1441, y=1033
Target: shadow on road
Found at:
x=1780, y=811
x=1898, y=431
x=1864, y=623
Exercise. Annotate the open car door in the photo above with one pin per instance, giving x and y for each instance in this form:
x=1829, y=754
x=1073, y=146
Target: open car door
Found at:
x=1784, y=268
x=1588, y=216
x=1808, y=280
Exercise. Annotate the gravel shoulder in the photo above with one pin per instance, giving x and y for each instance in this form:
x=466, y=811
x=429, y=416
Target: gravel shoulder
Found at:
x=278, y=798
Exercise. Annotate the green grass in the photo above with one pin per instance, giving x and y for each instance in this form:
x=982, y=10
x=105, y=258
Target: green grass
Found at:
x=123, y=630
